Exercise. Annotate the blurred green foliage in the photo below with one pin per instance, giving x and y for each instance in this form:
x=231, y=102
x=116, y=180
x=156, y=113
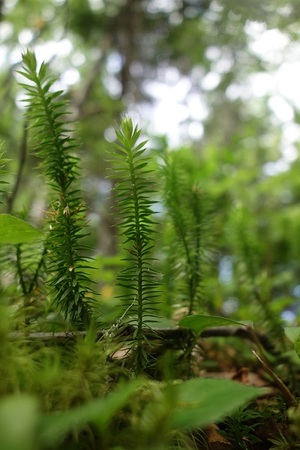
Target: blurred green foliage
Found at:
x=235, y=134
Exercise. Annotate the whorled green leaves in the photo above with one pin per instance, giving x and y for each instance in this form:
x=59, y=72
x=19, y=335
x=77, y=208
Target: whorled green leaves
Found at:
x=187, y=207
x=134, y=196
x=54, y=145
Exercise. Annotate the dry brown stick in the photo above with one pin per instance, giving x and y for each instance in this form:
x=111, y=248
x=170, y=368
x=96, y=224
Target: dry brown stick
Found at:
x=286, y=393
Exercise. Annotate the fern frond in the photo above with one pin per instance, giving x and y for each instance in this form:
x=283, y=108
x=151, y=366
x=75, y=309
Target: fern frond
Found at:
x=134, y=192
x=55, y=146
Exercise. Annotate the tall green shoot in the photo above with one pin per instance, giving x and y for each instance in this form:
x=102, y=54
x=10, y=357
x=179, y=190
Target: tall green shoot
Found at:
x=53, y=143
x=187, y=207
x=134, y=193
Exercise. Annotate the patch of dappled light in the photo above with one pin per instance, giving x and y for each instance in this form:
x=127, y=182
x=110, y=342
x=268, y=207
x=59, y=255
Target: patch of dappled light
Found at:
x=216, y=6
x=136, y=69
x=281, y=108
x=104, y=187
x=6, y=31
x=275, y=167
x=65, y=47
x=47, y=50
x=158, y=208
x=211, y=81
x=262, y=84
x=167, y=118
x=93, y=220
x=7, y=6
x=113, y=86
x=3, y=55
x=289, y=152
x=230, y=306
x=197, y=74
x=191, y=12
x=236, y=91
x=70, y=76
x=213, y=53
x=156, y=6
x=175, y=92
x=225, y=270
x=49, y=13
x=14, y=56
x=96, y=5
x=78, y=59
x=19, y=100
x=114, y=62
x=95, y=54
x=110, y=134
x=224, y=64
x=291, y=132
x=269, y=45
x=296, y=291
x=25, y=36
x=58, y=86
x=285, y=10
x=254, y=29
x=136, y=114
x=172, y=76
x=178, y=109
x=196, y=106
x=195, y=130
x=288, y=316
x=175, y=18
x=212, y=15
x=287, y=78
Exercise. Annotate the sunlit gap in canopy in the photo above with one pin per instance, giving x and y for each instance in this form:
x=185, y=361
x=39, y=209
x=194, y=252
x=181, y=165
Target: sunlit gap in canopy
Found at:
x=279, y=86
x=178, y=109
x=179, y=102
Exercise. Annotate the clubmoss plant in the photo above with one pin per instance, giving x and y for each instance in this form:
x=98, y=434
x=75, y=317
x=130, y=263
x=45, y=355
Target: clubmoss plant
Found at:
x=134, y=193
x=66, y=220
x=187, y=207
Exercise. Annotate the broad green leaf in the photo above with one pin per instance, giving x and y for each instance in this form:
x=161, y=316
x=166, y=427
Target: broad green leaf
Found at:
x=293, y=334
x=198, y=322
x=201, y=402
x=19, y=417
x=16, y=231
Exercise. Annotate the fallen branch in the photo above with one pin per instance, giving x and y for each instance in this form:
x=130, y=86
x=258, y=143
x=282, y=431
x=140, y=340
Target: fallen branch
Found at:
x=176, y=336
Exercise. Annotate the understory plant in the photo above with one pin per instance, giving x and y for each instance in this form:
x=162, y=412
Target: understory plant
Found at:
x=54, y=144
x=134, y=194
x=187, y=206
x=69, y=390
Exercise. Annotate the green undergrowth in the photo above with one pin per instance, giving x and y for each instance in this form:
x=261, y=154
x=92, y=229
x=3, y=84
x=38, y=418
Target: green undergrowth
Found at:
x=134, y=368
